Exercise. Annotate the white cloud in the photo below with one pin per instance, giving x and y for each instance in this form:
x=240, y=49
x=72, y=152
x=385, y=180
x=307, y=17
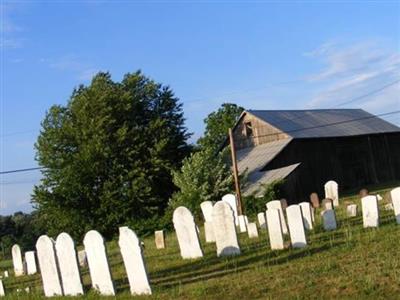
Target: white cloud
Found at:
x=10, y=32
x=71, y=63
x=350, y=71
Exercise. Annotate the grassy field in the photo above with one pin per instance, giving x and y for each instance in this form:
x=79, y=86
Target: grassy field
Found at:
x=348, y=263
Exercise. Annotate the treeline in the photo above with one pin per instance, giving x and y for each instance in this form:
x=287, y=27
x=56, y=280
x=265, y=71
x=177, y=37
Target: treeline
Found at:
x=20, y=228
x=118, y=153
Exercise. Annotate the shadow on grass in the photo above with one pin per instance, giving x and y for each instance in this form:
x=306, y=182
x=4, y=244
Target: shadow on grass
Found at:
x=232, y=265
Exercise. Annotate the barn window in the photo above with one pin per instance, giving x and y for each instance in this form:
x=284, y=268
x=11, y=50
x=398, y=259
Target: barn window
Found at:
x=248, y=128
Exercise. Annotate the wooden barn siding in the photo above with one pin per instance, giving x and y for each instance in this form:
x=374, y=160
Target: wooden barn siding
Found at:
x=262, y=131
x=353, y=162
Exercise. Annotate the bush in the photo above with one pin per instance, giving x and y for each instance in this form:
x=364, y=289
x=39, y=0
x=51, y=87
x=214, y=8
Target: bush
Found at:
x=271, y=191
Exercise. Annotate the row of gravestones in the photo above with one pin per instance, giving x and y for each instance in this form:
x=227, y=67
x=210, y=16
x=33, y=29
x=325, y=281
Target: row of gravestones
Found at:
x=59, y=269
x=221, y=222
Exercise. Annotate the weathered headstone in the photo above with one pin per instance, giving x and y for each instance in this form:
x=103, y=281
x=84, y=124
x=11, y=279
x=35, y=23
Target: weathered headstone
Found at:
x=246, y=220
x=159, y=238
x=307, y=215
x=231, y=200
x=332, y=192
x=17, y=261
x=134, y=262
x=2, y=293
x=261, y=220
x=48, y=266
x=68, y=265
x=329, y=219
x=395, y=195
x=186, y=233
x=209, y=232
x=277, y=204
x=296, y=226
x=284, y=203
x=363, y=193
x=98, y=264
x=82, y=259
x=225, y=229
x=379, y=197
x=370, y=211
x=30, y=262
x=389, y=206
x=314, y=199
x=351, y=210
x=206, y=209
x=242, y=224
x=275, y=232
x=6, y=274
x=252, y=230
x=327, y=204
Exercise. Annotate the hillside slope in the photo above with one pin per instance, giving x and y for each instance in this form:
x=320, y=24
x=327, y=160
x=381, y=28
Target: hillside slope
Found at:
x=350, y=262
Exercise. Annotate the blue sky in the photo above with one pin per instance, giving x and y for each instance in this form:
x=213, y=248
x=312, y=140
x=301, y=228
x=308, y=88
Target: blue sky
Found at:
x=261, y=55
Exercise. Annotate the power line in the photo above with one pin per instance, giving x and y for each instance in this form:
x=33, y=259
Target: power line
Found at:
x=369, y=93
x=20, y=170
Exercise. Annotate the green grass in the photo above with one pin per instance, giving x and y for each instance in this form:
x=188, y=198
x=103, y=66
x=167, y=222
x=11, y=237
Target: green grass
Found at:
x=348, y=263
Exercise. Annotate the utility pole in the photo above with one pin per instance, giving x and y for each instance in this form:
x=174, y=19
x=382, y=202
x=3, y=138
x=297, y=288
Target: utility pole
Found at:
x=235, y=174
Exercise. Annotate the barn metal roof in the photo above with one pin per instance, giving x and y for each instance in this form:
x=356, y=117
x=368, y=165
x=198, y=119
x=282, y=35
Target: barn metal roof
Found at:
x=325, y=122
x=252, y=160
x=255, y=158
x=258, y=179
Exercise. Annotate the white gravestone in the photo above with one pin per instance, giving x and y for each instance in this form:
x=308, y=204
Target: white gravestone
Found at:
x=351, y=210
x=276, y=204
x=2, y=293
x=275, y=232
x=134, y=262
x=68, y=265
x=30, y=262
x=19, y=269
x=327, y=204
x=395, y=195
x=206, y=209
x=242, y=224
x=307, y=215
x=312, y=214
x=329, y=219
x=6, y=274
x=261, y=220
x=225, y=229
x=370, y=211
x=231, y=200
x=48, y=266
x=159, y=239
x=98, y=263
x=246, y=220
x=209, y=232
x=296, y=226
x=186, y=233
x=82, y=259
x=332, y=192
x=252, y=230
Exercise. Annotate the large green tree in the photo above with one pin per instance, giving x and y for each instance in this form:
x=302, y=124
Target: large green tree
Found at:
x=108, y=155
x=217, y=125
x=206, y=174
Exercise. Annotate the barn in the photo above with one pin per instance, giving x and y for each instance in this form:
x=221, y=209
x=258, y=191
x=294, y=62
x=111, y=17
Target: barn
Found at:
x=306, y=148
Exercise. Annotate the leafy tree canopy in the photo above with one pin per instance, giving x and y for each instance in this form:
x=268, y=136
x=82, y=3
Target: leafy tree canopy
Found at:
x=217, y=125
x=108, y=155
x=206, y=174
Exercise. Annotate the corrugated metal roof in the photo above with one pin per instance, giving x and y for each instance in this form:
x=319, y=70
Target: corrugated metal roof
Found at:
x=317, y=123
x=255, y=158
x=258, y=179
